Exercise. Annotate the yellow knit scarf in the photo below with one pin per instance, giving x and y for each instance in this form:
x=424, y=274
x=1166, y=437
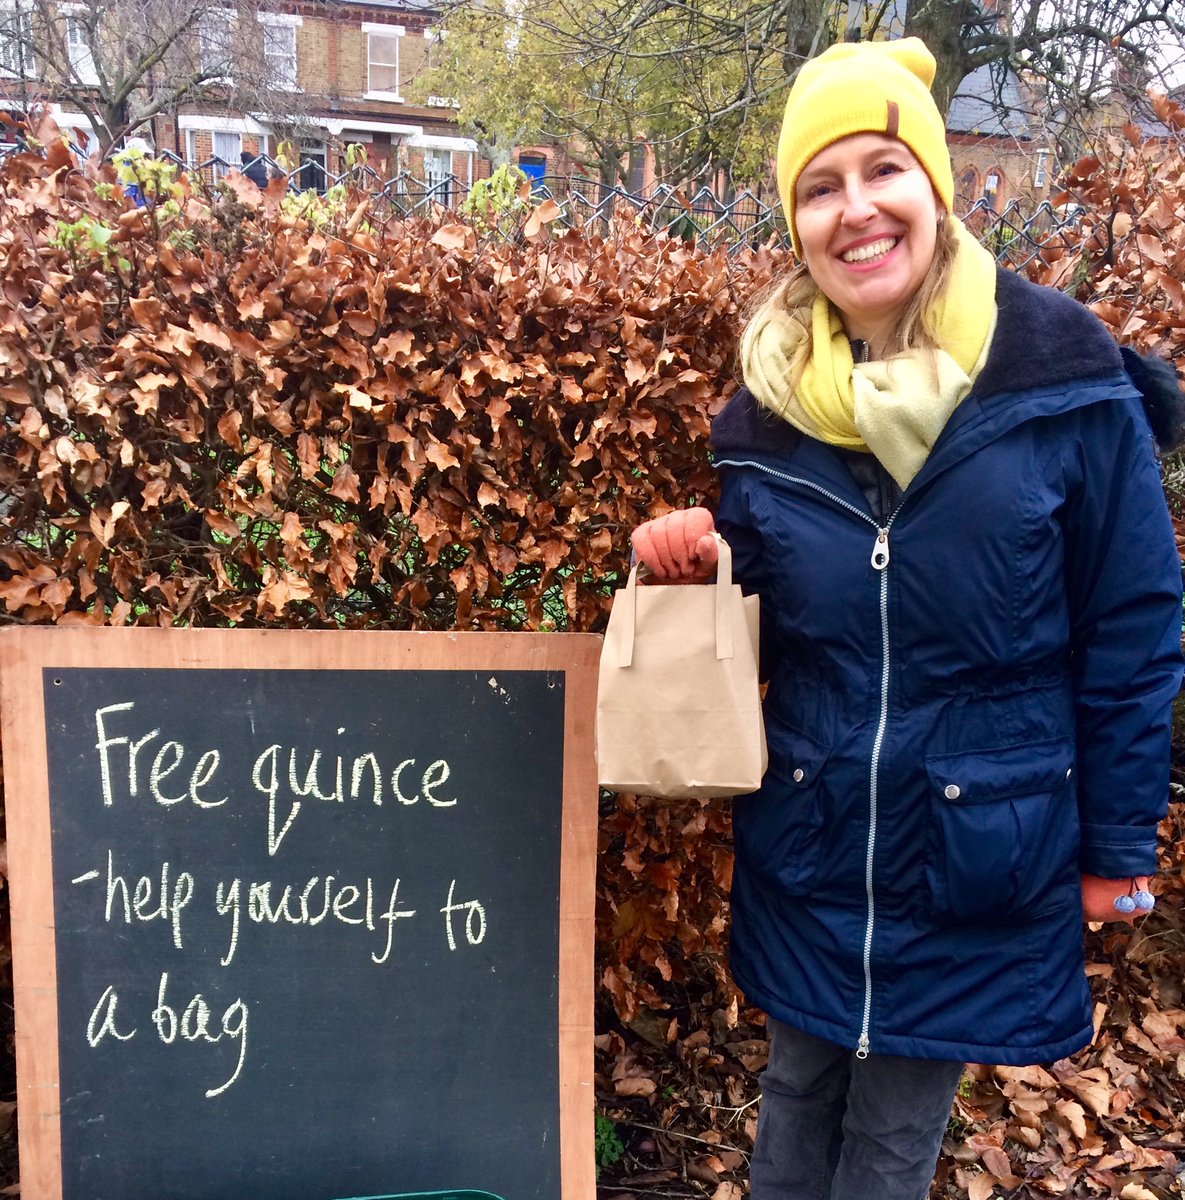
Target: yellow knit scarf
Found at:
x=894, y=408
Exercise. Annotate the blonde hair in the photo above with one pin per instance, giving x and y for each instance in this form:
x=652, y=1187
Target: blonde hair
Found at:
x=794, y=295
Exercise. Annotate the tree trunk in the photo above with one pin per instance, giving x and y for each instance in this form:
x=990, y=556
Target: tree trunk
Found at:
x=609, y=165
x=939, y=23
x=805, y=27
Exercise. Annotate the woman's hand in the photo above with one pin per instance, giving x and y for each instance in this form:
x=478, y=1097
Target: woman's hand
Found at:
x=678, y=548
x=1099, y=896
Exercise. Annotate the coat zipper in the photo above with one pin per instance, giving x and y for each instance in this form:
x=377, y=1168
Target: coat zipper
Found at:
x=879, y=560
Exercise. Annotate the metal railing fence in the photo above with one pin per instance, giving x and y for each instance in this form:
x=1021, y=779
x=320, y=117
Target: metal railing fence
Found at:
x=1017, y=237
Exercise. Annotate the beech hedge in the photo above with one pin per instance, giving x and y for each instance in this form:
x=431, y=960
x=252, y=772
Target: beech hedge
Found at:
x=237, y=415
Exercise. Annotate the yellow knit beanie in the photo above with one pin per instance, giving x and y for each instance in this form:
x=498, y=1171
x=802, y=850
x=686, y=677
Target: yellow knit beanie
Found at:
x=864, y=87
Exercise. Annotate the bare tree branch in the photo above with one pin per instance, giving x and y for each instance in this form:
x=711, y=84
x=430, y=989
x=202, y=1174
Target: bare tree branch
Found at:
x=121, y=63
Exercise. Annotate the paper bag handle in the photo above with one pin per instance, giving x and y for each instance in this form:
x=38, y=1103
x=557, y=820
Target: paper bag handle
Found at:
x=723, y=590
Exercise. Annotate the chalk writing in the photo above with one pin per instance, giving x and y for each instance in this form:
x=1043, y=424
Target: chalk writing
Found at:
x=290, y=897
x=307, y=778
x=151, y=765
x=475, y=919
x=202, y=774
x=194, y=1025
x=169, y=906
x=271, y=903
x=96, y=1029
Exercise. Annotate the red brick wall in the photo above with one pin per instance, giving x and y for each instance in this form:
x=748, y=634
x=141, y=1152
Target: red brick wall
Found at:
x=975, y=158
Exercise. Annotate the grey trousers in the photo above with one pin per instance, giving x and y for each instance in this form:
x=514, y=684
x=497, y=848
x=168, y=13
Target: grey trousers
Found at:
x=835, y=1127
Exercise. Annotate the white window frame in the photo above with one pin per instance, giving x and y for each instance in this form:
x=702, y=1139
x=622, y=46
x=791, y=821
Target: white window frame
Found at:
x=431, y=178
x=24, y=60
x=272, y=22
x=229, y=19
x=397, y=32
x=233, y=158
x=312, y=152
x=439, y=142
x=80, y=52
x=1041, y=170
x=190, y=124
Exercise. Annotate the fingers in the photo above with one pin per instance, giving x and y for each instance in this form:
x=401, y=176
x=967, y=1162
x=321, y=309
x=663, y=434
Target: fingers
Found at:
x=677, y=536
x=679, y=546
x=707, y=554
x=697, y=522
x=652, y=546
x=672, y=553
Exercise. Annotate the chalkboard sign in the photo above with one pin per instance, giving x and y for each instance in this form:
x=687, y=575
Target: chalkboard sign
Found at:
x=301, y=915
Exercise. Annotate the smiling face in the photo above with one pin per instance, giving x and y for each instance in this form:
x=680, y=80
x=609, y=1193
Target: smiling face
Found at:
x=866, y=218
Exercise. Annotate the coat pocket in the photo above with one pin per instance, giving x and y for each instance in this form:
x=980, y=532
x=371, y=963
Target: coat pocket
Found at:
x=1005, y=831
x=779, y=830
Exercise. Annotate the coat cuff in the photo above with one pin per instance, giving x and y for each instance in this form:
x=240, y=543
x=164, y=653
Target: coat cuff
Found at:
x=1117, y=851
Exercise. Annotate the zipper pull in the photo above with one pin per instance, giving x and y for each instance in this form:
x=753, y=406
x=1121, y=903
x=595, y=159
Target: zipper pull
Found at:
x=880, y=551
x=862, y=1047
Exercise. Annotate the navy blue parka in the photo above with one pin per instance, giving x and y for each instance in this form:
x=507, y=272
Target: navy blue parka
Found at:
x=969, y=702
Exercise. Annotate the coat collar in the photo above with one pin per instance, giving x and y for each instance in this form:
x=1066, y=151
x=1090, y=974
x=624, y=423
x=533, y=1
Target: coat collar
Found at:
x=1047, y=353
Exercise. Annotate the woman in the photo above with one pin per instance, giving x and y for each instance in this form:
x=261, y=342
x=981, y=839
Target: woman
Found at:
x=941, y=481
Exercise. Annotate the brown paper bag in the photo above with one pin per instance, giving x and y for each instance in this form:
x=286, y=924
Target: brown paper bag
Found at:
x=678, y=707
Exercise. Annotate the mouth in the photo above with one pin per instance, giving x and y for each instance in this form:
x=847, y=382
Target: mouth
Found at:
x=871, y=252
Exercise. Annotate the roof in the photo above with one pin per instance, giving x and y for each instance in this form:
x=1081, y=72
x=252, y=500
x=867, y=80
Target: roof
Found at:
x=1147, y=122
x=990, y=102
x=395, y=5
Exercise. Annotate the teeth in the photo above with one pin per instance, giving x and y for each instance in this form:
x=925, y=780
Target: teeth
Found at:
x=872, y=250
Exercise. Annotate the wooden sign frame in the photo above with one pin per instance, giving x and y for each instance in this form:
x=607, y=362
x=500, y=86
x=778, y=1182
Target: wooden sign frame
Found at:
x=25, y=652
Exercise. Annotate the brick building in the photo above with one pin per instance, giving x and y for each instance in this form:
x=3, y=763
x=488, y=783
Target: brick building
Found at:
x=338, y=72
x=999, y=148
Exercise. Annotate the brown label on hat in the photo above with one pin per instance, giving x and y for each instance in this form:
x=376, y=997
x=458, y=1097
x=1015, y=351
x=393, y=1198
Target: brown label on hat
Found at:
x=892, y=121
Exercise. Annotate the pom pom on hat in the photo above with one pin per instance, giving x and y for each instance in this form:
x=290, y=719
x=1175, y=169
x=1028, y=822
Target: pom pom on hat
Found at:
x=864, y=87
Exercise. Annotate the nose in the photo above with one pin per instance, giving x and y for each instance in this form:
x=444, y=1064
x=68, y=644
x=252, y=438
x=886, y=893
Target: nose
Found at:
x=858, y=207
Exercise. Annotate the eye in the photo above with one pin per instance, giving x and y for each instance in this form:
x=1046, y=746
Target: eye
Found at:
x=884, y=170
x=816, y=191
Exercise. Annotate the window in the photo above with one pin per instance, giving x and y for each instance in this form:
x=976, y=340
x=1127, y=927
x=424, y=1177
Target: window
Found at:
x=229, y=148
x=16, y=42
x=1040, y=171
x=279, y=49
x=82, y=137
x=434, y=38
x=312, y=173
x=79, y=48
x=216, y=43
x=969, y=191
x=382, y=60
x=438, y=165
